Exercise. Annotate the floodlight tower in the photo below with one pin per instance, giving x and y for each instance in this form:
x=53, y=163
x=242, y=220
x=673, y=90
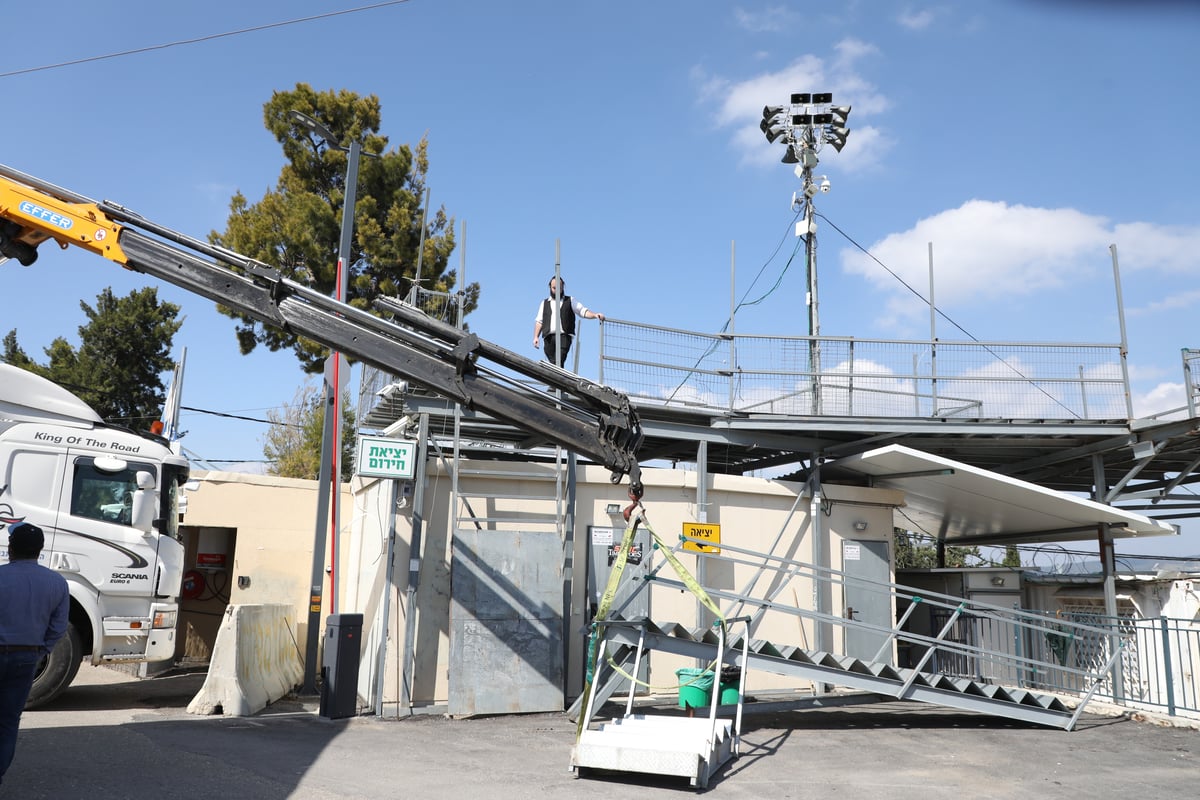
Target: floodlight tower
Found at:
x=806, y=125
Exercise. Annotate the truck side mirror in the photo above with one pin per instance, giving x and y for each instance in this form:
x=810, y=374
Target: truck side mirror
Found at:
x=144, y=505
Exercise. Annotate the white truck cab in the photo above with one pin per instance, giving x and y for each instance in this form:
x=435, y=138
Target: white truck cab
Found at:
x=108, y=501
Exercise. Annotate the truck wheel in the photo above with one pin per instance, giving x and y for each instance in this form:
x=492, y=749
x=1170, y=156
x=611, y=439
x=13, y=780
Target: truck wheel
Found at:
x=57, y=670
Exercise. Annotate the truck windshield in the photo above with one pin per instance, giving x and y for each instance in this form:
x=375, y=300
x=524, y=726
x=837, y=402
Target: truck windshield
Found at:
x=102, y=495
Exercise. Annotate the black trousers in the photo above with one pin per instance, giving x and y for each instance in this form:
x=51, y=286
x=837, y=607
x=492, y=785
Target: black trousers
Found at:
x=557, y=345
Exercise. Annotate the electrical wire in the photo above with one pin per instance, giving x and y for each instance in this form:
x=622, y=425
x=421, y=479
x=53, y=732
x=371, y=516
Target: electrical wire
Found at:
x=198, y=39
x=944, y=316
x=744, y=302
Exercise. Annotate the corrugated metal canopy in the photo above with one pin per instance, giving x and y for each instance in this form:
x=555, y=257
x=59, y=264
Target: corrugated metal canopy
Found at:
x=966, y=505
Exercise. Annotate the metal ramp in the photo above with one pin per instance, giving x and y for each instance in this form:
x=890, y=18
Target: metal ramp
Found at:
x=852, y=673
x=979, y=657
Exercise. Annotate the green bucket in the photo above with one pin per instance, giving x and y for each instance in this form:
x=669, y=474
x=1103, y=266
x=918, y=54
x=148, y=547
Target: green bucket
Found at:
x=731, y=679
x=695, y=687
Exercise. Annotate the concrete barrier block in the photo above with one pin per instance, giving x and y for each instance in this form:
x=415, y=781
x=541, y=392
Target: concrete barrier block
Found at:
x=254, y=662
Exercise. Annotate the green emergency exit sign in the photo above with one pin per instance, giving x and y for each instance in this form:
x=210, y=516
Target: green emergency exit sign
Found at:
x=386, y=458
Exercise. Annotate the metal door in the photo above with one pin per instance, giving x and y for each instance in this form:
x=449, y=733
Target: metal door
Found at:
x=506, y=595
x=631, y=599
x=868, y=597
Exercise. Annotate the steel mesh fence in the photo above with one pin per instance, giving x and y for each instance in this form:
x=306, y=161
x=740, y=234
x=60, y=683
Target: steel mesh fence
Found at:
x=843, y=376
x=1191, y=379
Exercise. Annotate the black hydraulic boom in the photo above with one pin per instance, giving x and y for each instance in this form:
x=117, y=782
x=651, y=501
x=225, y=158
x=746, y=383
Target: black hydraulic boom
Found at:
x=593, y=420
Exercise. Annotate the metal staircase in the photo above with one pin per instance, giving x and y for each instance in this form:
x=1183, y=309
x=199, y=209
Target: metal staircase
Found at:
x=883, y=679
x=1011, y=675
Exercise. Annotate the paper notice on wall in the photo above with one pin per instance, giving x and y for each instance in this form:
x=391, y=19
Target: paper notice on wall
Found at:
x=851, y=551
x=602, y=536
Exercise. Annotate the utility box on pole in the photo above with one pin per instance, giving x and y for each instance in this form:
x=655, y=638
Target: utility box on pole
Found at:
x=339, y=665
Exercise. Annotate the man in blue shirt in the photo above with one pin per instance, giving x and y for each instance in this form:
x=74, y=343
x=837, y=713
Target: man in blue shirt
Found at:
x=34, y=603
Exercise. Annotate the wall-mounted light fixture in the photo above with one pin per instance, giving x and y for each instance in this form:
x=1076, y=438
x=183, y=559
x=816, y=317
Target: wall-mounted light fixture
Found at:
x=997, y=580
x=612, y=508
x=860, y=525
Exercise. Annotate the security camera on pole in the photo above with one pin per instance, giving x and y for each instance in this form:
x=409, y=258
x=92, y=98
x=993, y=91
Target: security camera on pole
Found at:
x=808, y=123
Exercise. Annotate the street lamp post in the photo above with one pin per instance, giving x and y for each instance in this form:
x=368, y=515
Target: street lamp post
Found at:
x=337, y=374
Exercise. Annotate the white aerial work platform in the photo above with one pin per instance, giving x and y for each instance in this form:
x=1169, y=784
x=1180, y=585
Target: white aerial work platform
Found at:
x=690, y=747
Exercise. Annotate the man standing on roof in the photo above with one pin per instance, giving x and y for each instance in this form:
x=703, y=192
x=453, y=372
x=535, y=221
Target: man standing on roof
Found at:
x=34, y=604
x=555, y=322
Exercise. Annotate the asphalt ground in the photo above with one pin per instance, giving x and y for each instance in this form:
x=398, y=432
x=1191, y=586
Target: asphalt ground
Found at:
x=111, y=736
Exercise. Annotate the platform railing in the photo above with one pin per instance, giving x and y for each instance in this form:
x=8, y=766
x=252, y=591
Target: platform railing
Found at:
x=848, y=376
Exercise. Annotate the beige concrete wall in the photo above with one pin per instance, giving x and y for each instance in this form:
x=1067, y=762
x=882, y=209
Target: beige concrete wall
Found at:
x=754, y=514
x=273, y=521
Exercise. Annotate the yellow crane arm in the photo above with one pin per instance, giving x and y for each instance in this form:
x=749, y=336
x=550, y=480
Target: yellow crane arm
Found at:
x=29, y=217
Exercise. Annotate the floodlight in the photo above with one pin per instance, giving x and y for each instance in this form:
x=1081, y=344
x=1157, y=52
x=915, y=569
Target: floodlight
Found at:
x=822, y=119
x=801, y=99
x=772, y=129
x=839, y=114
x=773, y=122
x=802, y=119
x=821, y=99
x=837, y=138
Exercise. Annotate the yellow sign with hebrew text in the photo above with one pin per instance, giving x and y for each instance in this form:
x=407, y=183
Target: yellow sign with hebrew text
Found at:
x=710, y=533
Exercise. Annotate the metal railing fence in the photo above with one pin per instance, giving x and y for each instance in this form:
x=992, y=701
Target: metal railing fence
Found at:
x=1160, y=660
x=847, y=376
x=1191, y=379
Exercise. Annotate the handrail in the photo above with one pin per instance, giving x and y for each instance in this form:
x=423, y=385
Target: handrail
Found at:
x=863, y=376
x=1024, y=626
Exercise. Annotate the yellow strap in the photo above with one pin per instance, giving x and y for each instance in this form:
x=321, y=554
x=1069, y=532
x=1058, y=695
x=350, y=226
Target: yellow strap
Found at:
x=617, y=669
x=597, y=635
x=614, y=577
x=691, y=583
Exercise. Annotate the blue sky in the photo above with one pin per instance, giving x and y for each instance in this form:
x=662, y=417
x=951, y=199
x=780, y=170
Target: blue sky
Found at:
x=1020, y=137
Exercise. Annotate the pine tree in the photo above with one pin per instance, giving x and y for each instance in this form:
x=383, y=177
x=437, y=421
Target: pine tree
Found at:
x=124, y=350
x=296, y=227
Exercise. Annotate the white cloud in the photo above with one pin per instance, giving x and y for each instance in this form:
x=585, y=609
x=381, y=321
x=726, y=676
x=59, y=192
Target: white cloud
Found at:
x=986, y=251
x=1173, y=302
x=1145, y=372
x=1163, y=398
x=738, y=104
x=1144, y=245
x=771, y=19
x=916, y=20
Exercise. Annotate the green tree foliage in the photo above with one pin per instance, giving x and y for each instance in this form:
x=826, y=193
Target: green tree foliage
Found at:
x=296, y=227
x=912, y=554
x=124, y=349
x=1012, y=556
x=292, y=444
